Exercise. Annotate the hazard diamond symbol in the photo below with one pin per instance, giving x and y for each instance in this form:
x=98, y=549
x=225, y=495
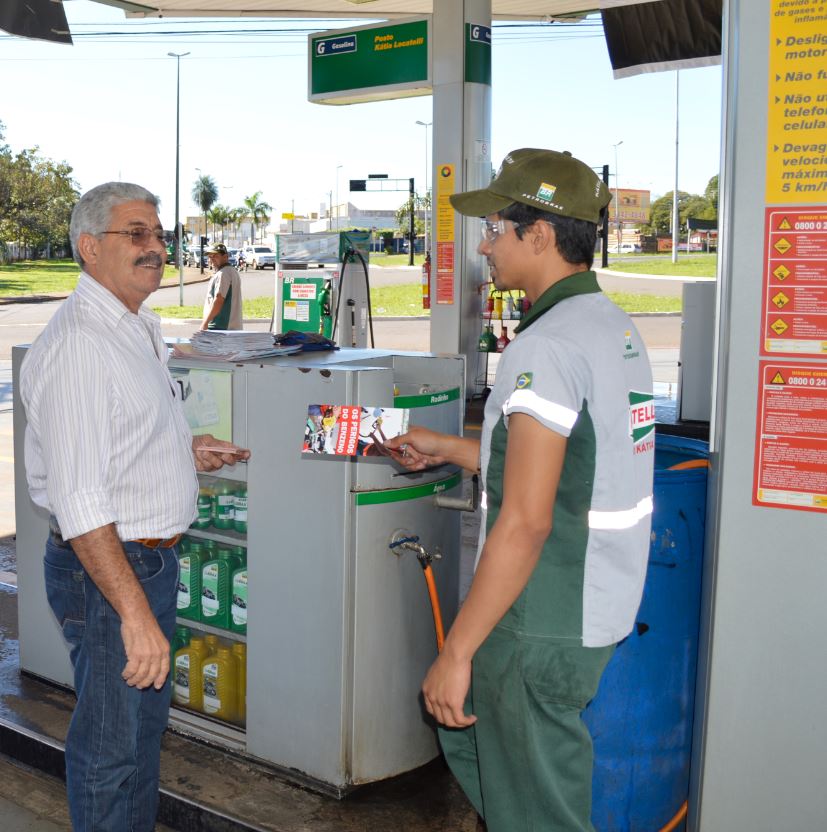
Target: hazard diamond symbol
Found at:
x=784, y=225
x=780, y=300
x=778, y=379
x=779, y=327
x=783, y=246
x=781, y=272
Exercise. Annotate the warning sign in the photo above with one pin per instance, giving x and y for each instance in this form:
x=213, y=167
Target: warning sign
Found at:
x=797, y=104
x=445, y=228
x=791, y=457
x=794, y=307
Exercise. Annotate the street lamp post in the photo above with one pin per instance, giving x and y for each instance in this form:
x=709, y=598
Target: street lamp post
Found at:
x=179, y=259
x=617, y=198
x=426, y=125
x=338, y=168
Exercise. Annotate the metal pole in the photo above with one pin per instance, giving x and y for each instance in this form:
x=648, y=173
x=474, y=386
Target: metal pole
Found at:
x=179, y=259
x=604, y=253
x=617, y=197
x=676, y=219
x=338, y=167
x=426, y=125
x=413, y=230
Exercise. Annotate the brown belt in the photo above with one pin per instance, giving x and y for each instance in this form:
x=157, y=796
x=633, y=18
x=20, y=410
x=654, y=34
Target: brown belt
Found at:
x=157, y=542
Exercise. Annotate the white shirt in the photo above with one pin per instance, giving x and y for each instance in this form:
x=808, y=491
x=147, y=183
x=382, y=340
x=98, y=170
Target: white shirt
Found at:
x=106, y=440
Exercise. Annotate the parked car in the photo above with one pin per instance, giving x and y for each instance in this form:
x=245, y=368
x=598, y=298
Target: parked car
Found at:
x=260, y=257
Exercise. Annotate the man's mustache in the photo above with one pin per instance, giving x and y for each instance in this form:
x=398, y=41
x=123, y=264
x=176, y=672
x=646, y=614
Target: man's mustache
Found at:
x=153, y=260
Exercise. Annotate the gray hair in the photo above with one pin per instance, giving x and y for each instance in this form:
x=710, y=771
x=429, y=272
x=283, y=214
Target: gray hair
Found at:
x=93, y=211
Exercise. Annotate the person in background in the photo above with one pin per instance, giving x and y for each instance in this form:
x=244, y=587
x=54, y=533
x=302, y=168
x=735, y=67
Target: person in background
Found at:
x=222, y=306
x=566, y=456
x=110, y=456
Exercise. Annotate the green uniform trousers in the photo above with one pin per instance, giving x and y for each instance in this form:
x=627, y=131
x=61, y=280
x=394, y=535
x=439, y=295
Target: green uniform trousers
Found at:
x=526, y=764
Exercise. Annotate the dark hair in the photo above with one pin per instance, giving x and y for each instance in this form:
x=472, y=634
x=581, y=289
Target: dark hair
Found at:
x=576, y=239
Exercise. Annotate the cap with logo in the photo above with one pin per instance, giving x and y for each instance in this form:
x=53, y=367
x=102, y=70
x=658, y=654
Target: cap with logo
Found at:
x=545, y=179
x=217, y=248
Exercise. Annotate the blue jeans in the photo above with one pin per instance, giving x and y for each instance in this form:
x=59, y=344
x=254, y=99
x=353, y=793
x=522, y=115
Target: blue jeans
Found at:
x=113, y=747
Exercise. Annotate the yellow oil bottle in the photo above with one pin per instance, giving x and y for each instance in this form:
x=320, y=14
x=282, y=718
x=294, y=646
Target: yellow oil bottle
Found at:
x=186, y=681
x=239, y=651
x=219, y=677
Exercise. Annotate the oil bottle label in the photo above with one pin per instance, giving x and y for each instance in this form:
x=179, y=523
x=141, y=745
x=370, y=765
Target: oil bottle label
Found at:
x=209, y=591
x=240, y=509
x=212, y=702
x=184, y=578
x=226, y=507
x=181, y=686
x=239, y=607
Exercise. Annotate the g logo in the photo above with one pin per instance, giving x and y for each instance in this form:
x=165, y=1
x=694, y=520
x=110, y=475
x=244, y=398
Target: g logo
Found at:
x=320, y=47
x=475, y=32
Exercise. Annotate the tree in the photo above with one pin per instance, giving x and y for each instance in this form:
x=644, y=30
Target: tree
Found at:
x=204, y=195
x=257, y=210
x=711, y=194
x=219, y=215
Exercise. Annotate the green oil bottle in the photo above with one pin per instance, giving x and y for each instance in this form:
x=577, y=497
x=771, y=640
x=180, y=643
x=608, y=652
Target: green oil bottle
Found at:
x=216, y=589
x=205, y=501
x=189, y=581
x=223, y=504
x=180, y=638
x=240, y=509
x=238, y=595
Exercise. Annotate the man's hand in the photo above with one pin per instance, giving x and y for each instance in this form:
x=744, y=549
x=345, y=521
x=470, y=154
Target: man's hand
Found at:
x=147, y=650
x=210, y=453
x=445, y=688
x=147, y=653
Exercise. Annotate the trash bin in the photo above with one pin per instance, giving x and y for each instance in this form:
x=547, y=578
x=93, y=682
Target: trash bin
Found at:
x=641, y=718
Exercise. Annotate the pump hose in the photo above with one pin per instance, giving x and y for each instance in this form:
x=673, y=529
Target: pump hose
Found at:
x=432, y=594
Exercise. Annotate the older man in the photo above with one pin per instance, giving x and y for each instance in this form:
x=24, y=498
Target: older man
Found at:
x=566, y=455
x=222, y=306
x=110, y=455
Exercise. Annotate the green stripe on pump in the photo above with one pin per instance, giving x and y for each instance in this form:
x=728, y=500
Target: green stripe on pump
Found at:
x=427, y=399
x=415, y=492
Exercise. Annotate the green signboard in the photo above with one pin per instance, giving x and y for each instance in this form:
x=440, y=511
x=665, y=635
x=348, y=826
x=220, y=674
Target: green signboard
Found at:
x=477, y=54
x=370, y=63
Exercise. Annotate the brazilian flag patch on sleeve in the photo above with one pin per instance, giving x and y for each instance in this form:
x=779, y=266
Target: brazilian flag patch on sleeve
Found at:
x=524, y=381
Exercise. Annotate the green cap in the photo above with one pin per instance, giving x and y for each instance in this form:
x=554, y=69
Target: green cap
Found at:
x=545, y=179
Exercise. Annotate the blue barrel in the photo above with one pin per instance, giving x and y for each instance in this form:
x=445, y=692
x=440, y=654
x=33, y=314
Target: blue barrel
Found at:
x=641, y=718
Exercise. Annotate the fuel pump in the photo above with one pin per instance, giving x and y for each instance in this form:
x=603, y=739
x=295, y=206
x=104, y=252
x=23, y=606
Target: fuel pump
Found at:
x=322, y=286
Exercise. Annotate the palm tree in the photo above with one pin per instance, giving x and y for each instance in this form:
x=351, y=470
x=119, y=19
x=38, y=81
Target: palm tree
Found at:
x=257, y=210
x=204, y=195
x=219, y=215
x=236, y=215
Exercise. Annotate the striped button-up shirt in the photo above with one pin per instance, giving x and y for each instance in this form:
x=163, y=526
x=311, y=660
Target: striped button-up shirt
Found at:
x=107, y=440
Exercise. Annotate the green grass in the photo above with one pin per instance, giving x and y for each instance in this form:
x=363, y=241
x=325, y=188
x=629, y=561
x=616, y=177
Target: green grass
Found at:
x=395, y=259
x=46, y=277
x=406, y=301
x=688, y=265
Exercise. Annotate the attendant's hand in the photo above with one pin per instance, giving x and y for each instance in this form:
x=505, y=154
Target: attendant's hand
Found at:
x=417, y=449
x=445, y=688
x=211, y=454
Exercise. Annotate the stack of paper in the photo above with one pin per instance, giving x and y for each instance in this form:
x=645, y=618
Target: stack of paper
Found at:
x=236, y=344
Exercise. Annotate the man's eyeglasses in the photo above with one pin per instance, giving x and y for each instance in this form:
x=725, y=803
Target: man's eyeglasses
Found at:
x=491, y=229
x=142, y=236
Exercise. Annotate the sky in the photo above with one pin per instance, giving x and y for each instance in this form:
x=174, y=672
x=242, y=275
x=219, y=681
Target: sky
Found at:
x=106, y=106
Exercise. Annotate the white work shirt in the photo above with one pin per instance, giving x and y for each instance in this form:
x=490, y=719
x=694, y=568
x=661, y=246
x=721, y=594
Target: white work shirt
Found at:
x=106, y=440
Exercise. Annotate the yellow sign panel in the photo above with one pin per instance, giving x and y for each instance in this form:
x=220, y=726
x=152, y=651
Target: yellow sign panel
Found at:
x=783, y=246
x=780, y=300
x=779, y=327
x=781, y=272
x=777, y=379
x=445, y=215
x=797, y=103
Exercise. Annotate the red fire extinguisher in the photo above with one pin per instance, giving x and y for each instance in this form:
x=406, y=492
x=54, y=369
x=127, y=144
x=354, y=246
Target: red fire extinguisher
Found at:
x=426, y=281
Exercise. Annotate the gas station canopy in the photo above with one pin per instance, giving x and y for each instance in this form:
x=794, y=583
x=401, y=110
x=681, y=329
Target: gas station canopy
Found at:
x=500, y=9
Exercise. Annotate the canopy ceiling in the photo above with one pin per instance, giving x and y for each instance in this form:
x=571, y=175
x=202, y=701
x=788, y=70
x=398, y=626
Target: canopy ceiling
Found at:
x=500, y=9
